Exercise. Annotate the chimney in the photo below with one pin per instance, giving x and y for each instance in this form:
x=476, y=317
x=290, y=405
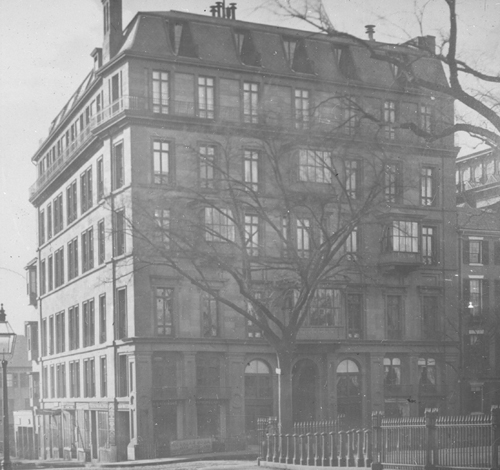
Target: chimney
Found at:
x=113, y=35
x=427, y=43
x=370, y=30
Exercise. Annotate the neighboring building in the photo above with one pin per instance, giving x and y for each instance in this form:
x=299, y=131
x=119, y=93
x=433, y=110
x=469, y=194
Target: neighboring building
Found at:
x=132, y=359
x=18, y=371
x=478, y=179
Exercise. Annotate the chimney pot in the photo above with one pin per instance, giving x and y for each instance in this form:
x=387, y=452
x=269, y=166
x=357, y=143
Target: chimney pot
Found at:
x=370, y=30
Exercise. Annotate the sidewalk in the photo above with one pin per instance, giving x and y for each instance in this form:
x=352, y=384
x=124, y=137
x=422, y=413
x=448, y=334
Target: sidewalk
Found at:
x=21, y=464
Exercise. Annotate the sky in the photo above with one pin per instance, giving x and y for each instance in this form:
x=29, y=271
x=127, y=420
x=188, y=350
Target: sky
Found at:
x=45, y=48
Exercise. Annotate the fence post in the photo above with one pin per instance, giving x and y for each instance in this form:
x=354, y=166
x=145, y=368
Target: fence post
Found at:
x=495, y=435
x=295, y=447
x=342, y=450
x=360, y=460
x=430, y=437
x=377, y=440
x=333, y=451
x=368, y=447
x=302, y=456
x=316, y=457
x=324, y=454
x=268, y=439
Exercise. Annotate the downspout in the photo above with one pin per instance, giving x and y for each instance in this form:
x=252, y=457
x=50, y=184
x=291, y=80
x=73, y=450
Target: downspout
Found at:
x=40, y=345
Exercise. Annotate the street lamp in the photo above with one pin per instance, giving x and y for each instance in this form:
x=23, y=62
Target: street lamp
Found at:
x=7, y=343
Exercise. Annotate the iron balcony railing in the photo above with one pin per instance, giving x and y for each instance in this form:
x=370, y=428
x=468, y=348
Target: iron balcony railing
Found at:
x=86, y=135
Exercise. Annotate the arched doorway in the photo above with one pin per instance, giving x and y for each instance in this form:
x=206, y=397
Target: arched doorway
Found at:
x=258, y=396
x=349, y=404
x=304, y=390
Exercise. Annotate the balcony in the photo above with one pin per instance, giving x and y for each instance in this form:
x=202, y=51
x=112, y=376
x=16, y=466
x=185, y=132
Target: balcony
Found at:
x=399, y=261
x=213, y=393
x=169, y=393
x=84, y=138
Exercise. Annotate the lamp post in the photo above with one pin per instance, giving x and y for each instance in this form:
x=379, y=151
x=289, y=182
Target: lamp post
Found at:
x=7, y=343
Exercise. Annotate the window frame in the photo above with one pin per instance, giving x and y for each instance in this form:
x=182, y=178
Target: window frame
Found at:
x=311, y=166
x=395, y=332
x=428, y=186
x=166, y=328
x=161, y=158
x=206, y=99
x=209, y=316
x=250, y=102
x=160, y=105
x=301, y=107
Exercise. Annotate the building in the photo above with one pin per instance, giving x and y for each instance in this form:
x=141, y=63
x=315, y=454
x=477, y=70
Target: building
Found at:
x=478, y=195
x=18, y=371
x=135, y=361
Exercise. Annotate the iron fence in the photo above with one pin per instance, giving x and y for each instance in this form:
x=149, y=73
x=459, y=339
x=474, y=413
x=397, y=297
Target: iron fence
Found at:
x=428, y=442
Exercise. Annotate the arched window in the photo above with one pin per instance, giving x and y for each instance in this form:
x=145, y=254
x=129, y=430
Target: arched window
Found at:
x=392, y=371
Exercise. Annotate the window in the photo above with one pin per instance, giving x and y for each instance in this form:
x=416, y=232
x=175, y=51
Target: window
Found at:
x=74, y=327
x=475, y=294
x=57, y=205
x=88, y=313
x=402, y=236
x=209, y=316
x=74, y=379
x=324, y=309
x=430, y=312
x=121, y=300
x=207, y=166
x=119, y=232
x=61, y=380
x=394, y=316
x=352, y=178
x=41, y=227
x=301, y=109
x=60, y=332
x=219, y=225
x=161, y=162
x=44, y=337
x=122, y=376
x=476, y=251
x=164, y=300
x=73, y=259
x=118, y=168
x=102, y=318
x=251, y=169
x=252, y=235
x=206, y=97
x=350, y=115
x=51, y=334
x=88, y=249
x=104, y=376
x=89, y=378
x=100, y=179
x=49, y=221
x=290, y=45
x=50, y=269
x=393, y=183
x=392, y=372
x=303, y=237
x=390, y=119
x=59, y=267
x=115, y=85
x=315, y=166
x=426, y=118
x=71, y=204
x=354, y=316
x=253, y=331
x=52, y=382
x=160, y=92
x=250, y=102
x=351, y=243
x=101, y=242
x=427, y=374
x=428, y=186
x=429, y=245
x=86, y=199
x=45, y=382
x=162, y=223
x=43, y=281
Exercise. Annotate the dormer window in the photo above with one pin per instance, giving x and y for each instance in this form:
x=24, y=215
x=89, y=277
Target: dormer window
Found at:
x=344, y=61
x=290, y=45
x=181, y=39
x=246, y=47
x=398, y=72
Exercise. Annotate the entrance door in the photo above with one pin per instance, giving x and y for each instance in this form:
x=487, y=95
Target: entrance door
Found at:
x=165, y=423
x=93, y=433
x=123, y=434
x=349, y=404
x=304, y=390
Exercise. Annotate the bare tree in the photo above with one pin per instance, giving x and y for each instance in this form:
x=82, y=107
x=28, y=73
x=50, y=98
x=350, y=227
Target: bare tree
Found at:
x=265, y=242
x=470, y=86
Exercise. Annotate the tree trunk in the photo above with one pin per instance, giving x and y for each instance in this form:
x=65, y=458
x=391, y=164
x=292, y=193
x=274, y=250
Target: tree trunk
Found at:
x=285, y=415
